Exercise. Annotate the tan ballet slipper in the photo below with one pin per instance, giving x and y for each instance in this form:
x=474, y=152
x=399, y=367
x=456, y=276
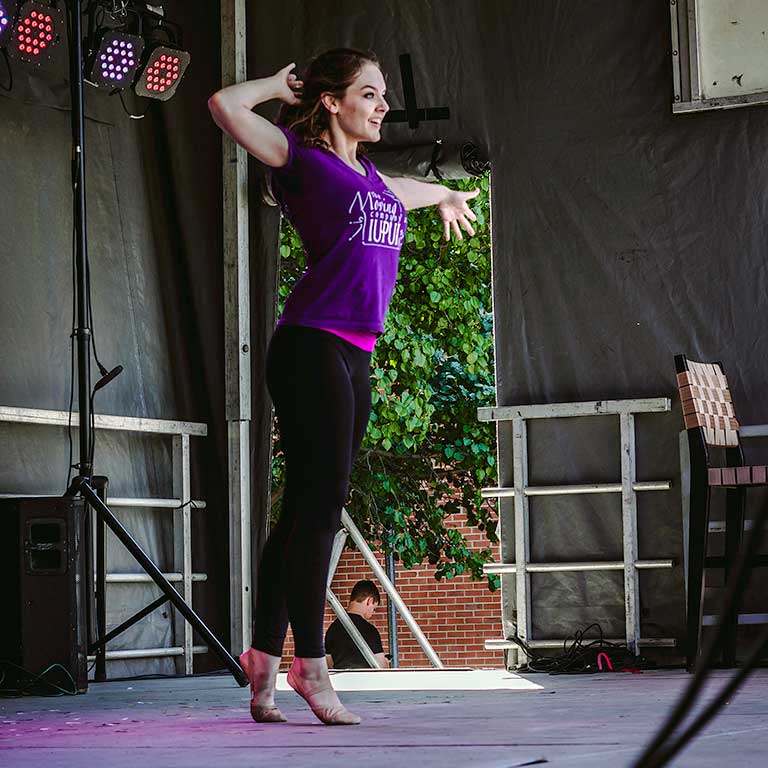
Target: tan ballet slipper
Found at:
x=328, y=715
x=261, y=713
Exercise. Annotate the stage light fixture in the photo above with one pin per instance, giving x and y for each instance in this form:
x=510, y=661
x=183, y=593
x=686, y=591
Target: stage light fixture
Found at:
x=7, y=15
x=36, y=32
x=163, y=72
x=117, y=60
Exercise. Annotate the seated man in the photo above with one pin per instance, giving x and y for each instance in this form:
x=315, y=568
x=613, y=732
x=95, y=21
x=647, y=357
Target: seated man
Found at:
x=341, y=651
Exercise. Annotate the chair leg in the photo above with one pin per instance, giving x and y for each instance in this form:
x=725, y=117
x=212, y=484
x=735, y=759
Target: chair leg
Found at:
x=734, y=534
x=698, y=525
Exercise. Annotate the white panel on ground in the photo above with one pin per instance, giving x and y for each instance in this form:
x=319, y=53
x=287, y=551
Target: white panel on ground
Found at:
x=424, y=680
x=733, y=47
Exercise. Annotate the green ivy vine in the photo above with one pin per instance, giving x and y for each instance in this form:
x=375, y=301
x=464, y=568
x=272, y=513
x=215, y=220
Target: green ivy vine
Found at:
x=425, y=454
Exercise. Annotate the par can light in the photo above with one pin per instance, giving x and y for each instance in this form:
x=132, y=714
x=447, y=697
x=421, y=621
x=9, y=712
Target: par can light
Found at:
x=7, y=16
x=116, y=61
x=163, y=72
x=36, y=31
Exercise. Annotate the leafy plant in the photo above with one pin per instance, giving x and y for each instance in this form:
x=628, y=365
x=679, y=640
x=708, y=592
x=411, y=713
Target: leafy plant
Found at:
x=425, y=454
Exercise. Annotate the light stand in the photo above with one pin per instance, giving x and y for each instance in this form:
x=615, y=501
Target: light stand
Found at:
x=82, y=484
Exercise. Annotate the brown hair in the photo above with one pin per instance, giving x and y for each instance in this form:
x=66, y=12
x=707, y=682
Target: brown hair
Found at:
x=330, y=72
x=363, y=590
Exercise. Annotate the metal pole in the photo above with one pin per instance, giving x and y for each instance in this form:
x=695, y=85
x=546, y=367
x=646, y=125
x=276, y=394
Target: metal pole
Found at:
x=392, y=613
x=338, y=547
x=629, y=528
x=522, y=528
x=100, y=485
x=82, y=331
x=237, y=337
x=389, y=588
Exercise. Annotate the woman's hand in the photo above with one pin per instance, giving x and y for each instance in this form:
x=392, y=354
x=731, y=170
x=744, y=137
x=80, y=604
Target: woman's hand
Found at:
x=454, y=211
x=288, y=86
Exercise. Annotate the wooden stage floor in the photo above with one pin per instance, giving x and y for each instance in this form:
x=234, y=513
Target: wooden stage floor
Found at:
x=598, y=721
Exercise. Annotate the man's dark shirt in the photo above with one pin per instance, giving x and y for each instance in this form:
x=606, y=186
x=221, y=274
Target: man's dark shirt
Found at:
x=342, y=647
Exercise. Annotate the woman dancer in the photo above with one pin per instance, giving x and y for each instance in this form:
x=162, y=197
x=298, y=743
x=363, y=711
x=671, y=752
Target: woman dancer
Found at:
x=352, y=222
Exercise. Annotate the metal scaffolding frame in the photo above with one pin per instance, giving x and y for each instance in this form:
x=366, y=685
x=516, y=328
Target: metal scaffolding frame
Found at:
x=519, y=616
x=348, y=528
x=183, y=576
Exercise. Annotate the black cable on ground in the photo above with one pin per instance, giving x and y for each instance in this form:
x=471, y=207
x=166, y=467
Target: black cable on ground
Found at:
x=36, y=685
x=736, y=586
x=583, y=658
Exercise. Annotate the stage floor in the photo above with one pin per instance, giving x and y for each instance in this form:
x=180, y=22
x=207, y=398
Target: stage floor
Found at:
x=598, y=721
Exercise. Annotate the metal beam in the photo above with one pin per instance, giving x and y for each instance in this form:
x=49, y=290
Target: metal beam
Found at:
x=117, y=423
x=149, y=653
x=629, y=526
x=569, y=410
x=573, y=490
x=143, y=578
x=117, y=501
x=522, y=528
x=595, y=565
x=182, y=542
x=339, y=540
x=237, y=338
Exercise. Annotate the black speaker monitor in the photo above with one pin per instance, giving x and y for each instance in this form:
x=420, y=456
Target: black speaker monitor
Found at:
x=42, y=568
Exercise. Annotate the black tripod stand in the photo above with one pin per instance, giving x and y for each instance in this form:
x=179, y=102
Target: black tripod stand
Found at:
x=83, y=483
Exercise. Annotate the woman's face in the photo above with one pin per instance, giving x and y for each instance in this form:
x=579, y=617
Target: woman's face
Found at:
x=363, y=106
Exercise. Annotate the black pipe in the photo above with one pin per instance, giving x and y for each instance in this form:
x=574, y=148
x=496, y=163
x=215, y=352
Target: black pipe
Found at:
x=127, y=624
x=83, y=330
x=80, y=485
x=392, y=612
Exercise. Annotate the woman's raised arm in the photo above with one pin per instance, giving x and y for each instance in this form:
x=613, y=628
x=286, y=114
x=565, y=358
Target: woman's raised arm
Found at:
x=451, y=204
x=231, y=109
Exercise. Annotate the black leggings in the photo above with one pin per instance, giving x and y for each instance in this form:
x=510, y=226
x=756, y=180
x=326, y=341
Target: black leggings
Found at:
x=320, y=385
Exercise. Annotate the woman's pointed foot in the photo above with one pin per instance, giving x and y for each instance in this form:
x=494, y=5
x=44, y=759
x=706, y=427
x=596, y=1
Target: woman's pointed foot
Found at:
x=261, y=671
x=309, y=678
x=263, y=714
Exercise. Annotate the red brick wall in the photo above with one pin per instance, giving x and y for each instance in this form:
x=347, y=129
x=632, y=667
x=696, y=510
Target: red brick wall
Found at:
x=456, y=615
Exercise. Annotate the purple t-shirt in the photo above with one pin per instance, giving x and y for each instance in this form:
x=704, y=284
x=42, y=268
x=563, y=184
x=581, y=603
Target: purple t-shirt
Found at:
x=352, y=227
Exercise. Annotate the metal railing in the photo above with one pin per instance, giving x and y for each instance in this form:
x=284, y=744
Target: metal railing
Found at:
x=628, y=487
x=180, y=504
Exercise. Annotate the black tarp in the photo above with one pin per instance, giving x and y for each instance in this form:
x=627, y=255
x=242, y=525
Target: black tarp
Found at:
x=622, y=235
x=154, y=225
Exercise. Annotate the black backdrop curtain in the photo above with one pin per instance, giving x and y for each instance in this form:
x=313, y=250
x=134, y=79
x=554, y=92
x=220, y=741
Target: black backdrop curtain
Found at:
x=155, y=211
x=622, y=235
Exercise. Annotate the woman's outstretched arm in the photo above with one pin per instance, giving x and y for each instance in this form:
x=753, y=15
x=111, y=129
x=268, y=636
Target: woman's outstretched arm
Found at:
x=451, y=204
x=231, y=109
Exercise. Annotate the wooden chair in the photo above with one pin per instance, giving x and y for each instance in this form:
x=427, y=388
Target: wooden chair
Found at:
x=710, y=421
